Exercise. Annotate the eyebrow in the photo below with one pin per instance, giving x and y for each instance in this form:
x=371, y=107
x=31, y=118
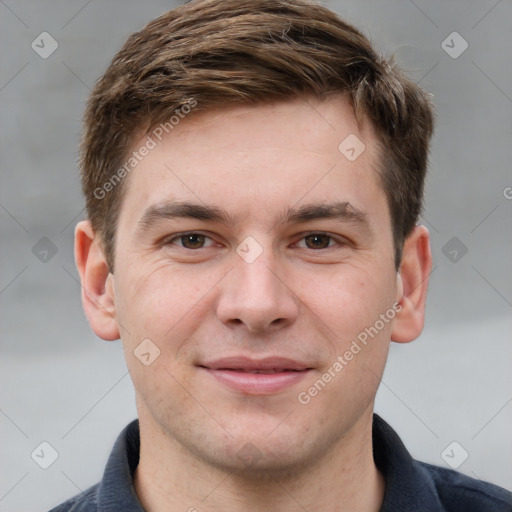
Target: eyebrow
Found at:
x=341, y=211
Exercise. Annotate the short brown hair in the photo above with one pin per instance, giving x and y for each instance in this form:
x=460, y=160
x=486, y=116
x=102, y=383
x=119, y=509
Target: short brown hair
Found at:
x=217, y=52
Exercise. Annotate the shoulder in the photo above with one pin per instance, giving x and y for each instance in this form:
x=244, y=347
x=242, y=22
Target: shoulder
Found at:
x=413, y=485
x=87, y=501
x=458, y=492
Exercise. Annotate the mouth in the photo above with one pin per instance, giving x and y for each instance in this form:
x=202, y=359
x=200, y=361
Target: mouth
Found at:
x=267, y=372
x=257, y=377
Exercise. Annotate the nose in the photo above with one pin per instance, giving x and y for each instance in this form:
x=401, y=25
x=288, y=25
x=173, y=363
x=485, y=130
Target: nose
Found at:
x=257, y=296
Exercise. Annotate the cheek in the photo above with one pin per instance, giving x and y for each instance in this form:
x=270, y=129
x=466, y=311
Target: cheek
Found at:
x=350, y=304
x=346, y=300
x=160, y=302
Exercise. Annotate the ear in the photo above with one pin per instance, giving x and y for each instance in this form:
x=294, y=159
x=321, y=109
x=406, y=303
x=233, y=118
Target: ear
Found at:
x=413, y=278
x=98, y=297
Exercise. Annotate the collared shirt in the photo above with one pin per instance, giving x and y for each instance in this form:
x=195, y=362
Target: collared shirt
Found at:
x=411, y=486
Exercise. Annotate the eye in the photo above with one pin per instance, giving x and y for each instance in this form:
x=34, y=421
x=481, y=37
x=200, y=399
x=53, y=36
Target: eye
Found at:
x=189, y=240
x=318, y=241
x=194, y=241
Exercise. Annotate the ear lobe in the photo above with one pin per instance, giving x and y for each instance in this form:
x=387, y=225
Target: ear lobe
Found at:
x=98, y=297
x=413, y=275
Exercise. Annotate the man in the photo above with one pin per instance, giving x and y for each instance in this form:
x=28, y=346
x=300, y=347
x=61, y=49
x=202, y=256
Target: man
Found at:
x=253, y=174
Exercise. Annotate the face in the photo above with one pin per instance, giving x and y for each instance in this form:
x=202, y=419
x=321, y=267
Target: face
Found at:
x=248, y=242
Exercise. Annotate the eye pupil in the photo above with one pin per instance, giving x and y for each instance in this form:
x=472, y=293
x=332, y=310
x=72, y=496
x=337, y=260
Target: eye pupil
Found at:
x=318, y=241
x=192, y=241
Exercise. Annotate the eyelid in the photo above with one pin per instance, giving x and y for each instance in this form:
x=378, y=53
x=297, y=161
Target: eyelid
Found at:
x=340, y=241
x=168, y=240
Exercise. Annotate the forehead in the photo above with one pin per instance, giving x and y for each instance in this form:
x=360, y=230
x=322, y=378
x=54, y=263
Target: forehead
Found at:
x=258, y=158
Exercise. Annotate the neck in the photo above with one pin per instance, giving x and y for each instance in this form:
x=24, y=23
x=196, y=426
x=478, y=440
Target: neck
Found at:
x=170, y=478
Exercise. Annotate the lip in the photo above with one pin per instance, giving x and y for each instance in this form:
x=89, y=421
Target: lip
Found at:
x=274, y=373
x=249, y=364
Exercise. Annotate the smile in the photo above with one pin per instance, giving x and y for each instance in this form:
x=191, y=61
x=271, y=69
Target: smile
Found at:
x=257, y=377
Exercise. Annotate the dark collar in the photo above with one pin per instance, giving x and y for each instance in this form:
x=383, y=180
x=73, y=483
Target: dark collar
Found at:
x=408, y=484
x=116, y=490
x=407, y=481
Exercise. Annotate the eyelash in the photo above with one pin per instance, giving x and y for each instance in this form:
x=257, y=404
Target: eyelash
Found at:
x=169, y=241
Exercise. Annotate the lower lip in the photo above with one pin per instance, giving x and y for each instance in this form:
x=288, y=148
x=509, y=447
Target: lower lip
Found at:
x=258, y=383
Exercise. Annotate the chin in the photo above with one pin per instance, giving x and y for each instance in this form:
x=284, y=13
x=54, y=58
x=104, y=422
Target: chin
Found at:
x=252, y=464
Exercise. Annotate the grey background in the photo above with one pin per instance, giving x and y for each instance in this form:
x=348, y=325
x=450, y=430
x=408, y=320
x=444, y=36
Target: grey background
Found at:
x=60, y=384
